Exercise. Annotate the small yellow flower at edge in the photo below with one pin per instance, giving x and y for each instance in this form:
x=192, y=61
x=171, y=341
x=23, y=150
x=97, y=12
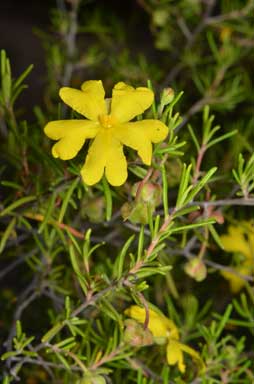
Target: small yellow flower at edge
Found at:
x=110, y=127
x=240, y=239
x=162, y=327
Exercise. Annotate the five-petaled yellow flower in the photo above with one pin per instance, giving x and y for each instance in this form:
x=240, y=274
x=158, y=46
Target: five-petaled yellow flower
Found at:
x=110, y=127
x=165, y=330
x=239, y=241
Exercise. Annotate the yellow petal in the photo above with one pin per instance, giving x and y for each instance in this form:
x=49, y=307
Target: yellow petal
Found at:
x=159, y=325
x=196, y=356
x=139, y=136
x=71, y=135
x=89, y=102
x=96, y=158
x=235, y=241
x=128, y=102
x=116, y=165
x=175, y=355
x=236, y=282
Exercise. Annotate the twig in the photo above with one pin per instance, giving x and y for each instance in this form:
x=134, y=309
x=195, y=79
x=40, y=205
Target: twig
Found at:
x=191, y=40
x=107, y=358
x=147, y=372
x=188, y=254
x=25, y=299
x=219, y=203
x=228, y=269
x=21, y=259
x=70, y=41
x=245, y=11
x=25, y=360
x=198, y=163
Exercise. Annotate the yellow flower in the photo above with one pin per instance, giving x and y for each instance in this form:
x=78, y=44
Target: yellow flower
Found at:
x=159, y=325
x=109, y=125
x=239, y=240
x=164, y=328
x=236, y=283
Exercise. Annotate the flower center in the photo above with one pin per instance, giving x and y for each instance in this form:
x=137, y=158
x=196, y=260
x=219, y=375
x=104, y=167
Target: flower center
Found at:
x=106, y=121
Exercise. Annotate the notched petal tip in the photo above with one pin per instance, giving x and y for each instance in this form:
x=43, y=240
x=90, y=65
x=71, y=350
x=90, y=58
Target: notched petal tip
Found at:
x=54, y=152
x=89, y=101
x=94, y=86
x=64, y=151
x=128, y=102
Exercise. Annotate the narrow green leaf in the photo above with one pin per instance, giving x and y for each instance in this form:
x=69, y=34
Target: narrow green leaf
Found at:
x=67, y=198
x=7, y=234
x=63, y=343
x=16, y=204
x=221, y=138
x=49, y=210
x=141, y=242
x=52, y=332
x=6, y=355
x=156, y=225
x=165, y=190
x=27, y=342
x=22, y=77
x=200, y=184
x=18, y=329
x=193, y=226
x=108, y=198
x=185, y=177
x=194, y=138
x=11, y=184
x=186, y=211
x=63, y=361
x=79, y=274
x=224, y=320
x=215, y=236
x=118, y=267
x=67, y=307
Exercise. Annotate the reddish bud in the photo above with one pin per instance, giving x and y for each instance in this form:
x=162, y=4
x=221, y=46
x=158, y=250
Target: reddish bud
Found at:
x=196, y=269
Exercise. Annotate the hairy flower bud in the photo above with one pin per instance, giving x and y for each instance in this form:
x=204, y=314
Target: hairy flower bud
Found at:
x=92, y=379
x=167, y=96
x=149, y=193
x=160, y=17
x=94, y=209
x=174, y=171
x=135, y=212
x=147, y=198
x=136, y=335
x=196, y=269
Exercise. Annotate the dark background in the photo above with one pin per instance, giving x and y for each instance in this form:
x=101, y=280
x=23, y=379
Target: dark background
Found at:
x=19, y=19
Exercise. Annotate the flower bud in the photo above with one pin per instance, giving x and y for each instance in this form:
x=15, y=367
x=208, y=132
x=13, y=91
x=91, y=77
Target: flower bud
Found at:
x=148, y=198
x=94, y=209
x=225, y=34
x=167, y=96
x=196, y=269
x=92, y=379
x=150, y=193
x=135, y=212
x=136, y=335
x=218, y=216
x=174, y=171
x=160, y=17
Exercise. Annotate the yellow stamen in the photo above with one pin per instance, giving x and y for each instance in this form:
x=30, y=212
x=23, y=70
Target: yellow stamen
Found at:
x=107, y=121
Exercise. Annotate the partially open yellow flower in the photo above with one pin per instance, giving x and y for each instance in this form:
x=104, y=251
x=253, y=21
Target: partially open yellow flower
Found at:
x=159, y=325
x=162, y=327
x=110, y=128
x=239, y=240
